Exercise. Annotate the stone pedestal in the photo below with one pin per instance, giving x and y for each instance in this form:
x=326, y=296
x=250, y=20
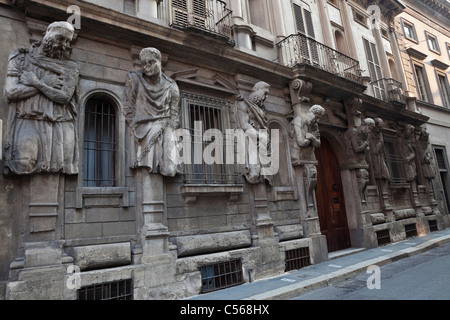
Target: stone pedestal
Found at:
x=154, y=232
x=262, y=220
x=43, y=207
x=306, y=178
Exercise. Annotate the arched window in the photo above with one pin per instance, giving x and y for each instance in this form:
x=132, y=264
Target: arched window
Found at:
x=100, y=143
x=340, y=42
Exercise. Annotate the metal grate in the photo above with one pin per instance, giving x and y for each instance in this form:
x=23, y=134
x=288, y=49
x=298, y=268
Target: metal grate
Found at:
x=394, y=162
x=99, y=148
x=383, y=237
x=410, y=230
x=297, y=258
x=221, y=275
x=115, y=290
x=203, y=114
x=433, y=225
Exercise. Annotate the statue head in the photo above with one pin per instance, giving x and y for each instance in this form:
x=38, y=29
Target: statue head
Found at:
x=56, y=41
x=151, y=61
x=315, y=113
x=259, y=93
x=379, y=123
x=367, y=125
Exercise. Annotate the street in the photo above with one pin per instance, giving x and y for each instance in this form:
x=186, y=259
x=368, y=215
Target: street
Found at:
x=425, y=276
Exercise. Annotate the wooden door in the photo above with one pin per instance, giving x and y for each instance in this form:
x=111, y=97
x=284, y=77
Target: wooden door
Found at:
x=330, y=199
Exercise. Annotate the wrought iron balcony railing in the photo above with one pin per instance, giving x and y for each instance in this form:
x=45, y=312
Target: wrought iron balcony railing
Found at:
x=208, y=16
x=301, y=49
x=389, y=90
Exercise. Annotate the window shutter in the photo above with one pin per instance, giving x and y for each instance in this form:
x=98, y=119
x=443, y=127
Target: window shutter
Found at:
x=309, y=24
x=299, y=19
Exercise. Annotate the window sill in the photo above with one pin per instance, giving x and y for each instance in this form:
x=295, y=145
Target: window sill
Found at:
x=191, y=192
x=92, y=197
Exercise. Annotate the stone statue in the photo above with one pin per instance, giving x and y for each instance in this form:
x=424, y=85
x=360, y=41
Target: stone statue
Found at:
x=304, y=135
x=357, y=140
x=41, y=82
x=252, y=119
x=407, y=152
x=362, y=176
x=376, y=143
x=424, y=153
x=152, y=113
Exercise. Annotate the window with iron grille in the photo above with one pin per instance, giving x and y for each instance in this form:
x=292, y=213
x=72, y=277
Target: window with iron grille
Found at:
x=297, y=258
x=115, y=290
x=410, y=230
x=203, y=114
x=393, y=161
x=383, y=237
x=441, y=186
x=99, y=147
x=221, y=275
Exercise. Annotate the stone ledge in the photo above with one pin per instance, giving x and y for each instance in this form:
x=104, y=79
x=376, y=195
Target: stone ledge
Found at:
x=209, y=243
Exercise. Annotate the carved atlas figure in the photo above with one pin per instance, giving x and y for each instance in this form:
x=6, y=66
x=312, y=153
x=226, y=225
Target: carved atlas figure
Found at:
x=41, y=82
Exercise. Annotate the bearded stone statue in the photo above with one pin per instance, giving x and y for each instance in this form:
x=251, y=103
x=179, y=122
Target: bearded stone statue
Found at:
x=41, y=81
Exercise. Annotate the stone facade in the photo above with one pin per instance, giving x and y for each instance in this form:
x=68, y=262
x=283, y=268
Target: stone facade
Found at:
x=125, y=212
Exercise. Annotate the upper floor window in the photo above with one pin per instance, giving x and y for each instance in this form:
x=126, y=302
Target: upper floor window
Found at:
x=100, y=143
x=433, y=43
x=360, y=18
x=422, y=83
x=409, y=30
x=444, y=89
x=378, y=87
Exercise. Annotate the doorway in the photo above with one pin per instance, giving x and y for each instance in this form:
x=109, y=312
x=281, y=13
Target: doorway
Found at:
x=330, y=198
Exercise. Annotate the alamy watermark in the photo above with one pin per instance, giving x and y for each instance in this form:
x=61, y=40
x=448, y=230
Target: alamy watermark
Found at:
x=241, y=147
x=374, y=280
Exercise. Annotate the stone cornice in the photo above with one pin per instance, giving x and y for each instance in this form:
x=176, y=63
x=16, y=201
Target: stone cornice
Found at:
x=126, y=31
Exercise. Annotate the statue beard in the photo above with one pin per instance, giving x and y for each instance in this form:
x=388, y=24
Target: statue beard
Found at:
x=259, y=99
x=55, y=50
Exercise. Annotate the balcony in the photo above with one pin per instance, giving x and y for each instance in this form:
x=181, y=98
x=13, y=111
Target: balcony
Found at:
x=300, y=49
x=210, y=17
x=389, y=90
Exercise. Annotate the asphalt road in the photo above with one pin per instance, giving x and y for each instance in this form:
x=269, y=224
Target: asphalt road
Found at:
x=425, y=276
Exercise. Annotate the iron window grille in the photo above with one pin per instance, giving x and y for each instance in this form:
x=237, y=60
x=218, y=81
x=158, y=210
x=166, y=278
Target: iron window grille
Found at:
x=99, y=148
x=410, y=230
x=383, y=237
x=115, y=290
x=209, y=113
x=221, y=275
x=394, y=162
x=297, y=258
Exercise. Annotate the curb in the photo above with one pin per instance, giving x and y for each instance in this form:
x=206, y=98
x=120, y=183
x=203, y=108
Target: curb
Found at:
x=322, y=281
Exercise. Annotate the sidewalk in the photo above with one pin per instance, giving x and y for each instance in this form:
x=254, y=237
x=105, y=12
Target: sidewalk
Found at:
x=294, y=283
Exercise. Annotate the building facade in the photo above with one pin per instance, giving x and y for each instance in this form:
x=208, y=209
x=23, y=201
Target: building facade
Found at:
x=94, y=201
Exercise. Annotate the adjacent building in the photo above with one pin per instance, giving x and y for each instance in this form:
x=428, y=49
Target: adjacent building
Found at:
x=366, y=168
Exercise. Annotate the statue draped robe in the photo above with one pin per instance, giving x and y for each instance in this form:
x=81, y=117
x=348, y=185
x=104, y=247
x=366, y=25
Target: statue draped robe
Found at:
x=152, y=114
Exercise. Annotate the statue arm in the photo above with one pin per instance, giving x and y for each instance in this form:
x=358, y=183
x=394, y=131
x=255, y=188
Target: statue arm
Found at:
x=14, y=90
x=56, y=91
x=130, y=99
x=244, y=119
x=175, y=109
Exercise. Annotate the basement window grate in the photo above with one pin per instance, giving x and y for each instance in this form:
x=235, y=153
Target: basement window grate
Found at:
x=115, y=290
x=410, y=230
x=433, y=225
x=221, y=275
x=297, y=258
x=383, y=237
